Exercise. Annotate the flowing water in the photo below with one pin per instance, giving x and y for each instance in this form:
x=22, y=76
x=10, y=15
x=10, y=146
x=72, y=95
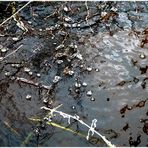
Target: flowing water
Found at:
x=103, y=44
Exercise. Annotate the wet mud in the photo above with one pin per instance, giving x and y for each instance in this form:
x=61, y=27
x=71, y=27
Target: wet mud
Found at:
x=91, y=57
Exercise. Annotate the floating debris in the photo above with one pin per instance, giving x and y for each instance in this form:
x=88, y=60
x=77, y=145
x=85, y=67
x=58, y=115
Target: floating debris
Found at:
x=142, y=56
x=63, y=33
x=38, y=75
x=89, y=93
x=92, y=99
x=78, y=85
x=84, y=84
x=56, y=79
x=28, y=97
x=26, y=69
x=89, y=68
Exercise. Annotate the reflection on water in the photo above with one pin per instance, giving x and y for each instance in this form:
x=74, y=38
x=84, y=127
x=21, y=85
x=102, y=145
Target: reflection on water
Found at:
x=112, y=62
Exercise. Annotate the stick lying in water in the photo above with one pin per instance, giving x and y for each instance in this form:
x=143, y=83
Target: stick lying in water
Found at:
x=76, y=117
x=15, y=13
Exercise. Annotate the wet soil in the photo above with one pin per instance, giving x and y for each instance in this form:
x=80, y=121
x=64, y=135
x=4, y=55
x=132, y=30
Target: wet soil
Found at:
x=91, y=57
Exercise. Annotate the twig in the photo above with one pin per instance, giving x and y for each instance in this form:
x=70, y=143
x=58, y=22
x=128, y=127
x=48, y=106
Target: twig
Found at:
x=33, y=83
x=11, y=53
x=88, y=14
x=15, y=13
x=76, y=117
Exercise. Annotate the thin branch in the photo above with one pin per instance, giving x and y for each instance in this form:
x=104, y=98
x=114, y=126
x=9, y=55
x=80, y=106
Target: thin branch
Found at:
x=11, y=53
x=76, y=117
x=15, y=13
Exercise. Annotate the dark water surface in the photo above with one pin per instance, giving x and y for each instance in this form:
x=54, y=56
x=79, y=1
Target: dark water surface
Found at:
x=103, y=43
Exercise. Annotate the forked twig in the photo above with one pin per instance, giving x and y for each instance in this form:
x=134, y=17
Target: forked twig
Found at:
x=76, y=117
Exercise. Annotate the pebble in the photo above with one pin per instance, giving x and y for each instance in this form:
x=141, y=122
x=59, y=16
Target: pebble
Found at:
x=67, y=19
x=15, y=39
x=84, y=84
x=96, y=69
x=71, y=72
x=56, y=79
x=66, y=9
x=73, y=107
x=92, y=99
x=142, y=56
x=30, y=73
x=38, y=75
x=4, y=50
x=89, y=68
x=26, y=69
x=7, y=73
x=59, y=61
x=28, y=97
x=78, y=85
x=89, y=93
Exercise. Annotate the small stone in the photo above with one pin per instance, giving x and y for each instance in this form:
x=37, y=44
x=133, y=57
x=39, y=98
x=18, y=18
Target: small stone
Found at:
x=45, y=100
x=84, y=84
x=71, y=72
x=73, y=107
x=38, y=75
x=103, y=14
x=89, y=93
x=29, y=22
x=67, y=19
x=13, y=65
x=15, y=39
x=96, y=69
x=114, y=9
x=74, y=25
x=142, y=56
x=4, y=50
x=92, y=99
x=78, y=85
x=56, y=79
x=12, y=78
x=79, y=56
x=7, y=73
x=89, y=68
x=28, y=97
x=66, y=9
x=60, y=47
x=30, y=73
x=59, y=61
x=26, y=69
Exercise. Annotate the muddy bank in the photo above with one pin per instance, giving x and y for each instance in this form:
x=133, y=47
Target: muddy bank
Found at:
x=90, y=57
